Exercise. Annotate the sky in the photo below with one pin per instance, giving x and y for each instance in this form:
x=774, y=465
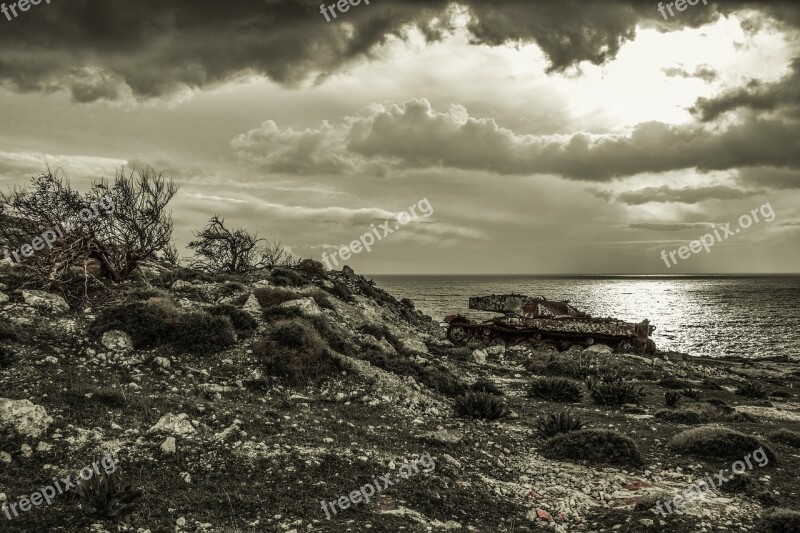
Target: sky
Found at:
x=548, y=137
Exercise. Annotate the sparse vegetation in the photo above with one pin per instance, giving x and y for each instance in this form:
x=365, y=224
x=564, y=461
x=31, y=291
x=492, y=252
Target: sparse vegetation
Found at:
x=7, y=357
x=717, y=443
x=780, y=521
x=691, y=393
x=555, y=423
x=106, y=496
x=616, y=392
x=242, y=321
x=671, y=398
x=595, y=446
x=286, y=277
x=148, y=325
x=671, y=382
x=751, y=390
x=480, y=405
x=786, y=436
x=203, y=333
x=556, y=389
x=295, y=352
x=270, y=296
x=484, y=385
x=8, y=332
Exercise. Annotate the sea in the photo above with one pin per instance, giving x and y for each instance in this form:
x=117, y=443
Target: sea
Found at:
x=709, y=316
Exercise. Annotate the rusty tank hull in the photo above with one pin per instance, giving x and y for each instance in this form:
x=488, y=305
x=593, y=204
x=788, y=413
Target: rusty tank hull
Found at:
x=546, y=325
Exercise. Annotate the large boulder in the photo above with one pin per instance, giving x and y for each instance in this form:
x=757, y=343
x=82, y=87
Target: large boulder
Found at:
x=307, y=306
x=23, y=417
x=170, y=424
x=45, y=300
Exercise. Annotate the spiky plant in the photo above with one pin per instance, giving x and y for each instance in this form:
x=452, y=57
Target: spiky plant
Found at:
x=751, y=390
x=556, y=390
x=671, y=398
x=106, y=496
x=480, y=405
x=616, y=392
x=555, y=423
x=694, y=394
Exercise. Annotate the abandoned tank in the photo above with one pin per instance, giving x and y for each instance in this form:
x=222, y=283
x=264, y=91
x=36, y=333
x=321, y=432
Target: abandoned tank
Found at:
x=546, y=325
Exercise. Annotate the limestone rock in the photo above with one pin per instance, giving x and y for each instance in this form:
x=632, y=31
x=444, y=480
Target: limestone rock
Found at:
x=117, y=341
x=307, y=306
x=252, y=305
x=3, y=298
x=45, y=300
x=24, y=417
x=173, y=424
x=479, y=356
x=168, y=446
x=598, y=349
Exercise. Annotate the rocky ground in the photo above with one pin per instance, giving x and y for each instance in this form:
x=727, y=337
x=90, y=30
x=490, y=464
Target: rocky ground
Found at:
x=217, y=444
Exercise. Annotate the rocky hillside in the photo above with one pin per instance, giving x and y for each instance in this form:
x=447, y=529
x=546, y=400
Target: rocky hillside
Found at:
x=242, y=404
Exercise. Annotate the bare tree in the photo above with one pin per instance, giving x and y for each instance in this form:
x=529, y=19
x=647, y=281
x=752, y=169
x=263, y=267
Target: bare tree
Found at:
x=118, y=224
x=222, y=250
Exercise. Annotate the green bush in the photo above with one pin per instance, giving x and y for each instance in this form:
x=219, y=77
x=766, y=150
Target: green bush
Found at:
x=7, y=357
x=285, y=277
x=203, y=333
x=8, y=332
x=295, y=352
x=785, y=436
x=671, y=398
x=242, y=320
x=717, y=443
x=479, y=405
x=269, y=296
x=616, y=392
x=780, y=521
x=148, y=325
x=595, y=446
x=312, y=267
x=555, y=423
x=556, y=389
x=751, y=390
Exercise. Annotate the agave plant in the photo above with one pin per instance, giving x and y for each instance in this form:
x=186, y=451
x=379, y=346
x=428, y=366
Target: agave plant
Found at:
x=556, y=390
x=616, y=392
x=480, y=405
x=752, y=390
x=105, y=495
x=671, y=398
x=555, y=423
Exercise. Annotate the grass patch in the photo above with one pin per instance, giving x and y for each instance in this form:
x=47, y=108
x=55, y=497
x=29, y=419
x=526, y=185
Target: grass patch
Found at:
x=242, y=321
x=295, y=352
x=616, y=392
x=203, y=333
x=270, y=296
x=785, y=436
x=595, y=446
x=557, y=423
x=780, y=521
x=717, y=443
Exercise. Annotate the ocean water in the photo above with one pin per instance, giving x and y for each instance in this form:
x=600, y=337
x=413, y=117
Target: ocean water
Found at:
x=754, y=316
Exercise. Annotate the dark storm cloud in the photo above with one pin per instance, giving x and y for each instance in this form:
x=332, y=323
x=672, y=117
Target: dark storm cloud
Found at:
x=413, y=135
x=755, y=96
x=774, y=178
x=101, y=49
x=684, y=195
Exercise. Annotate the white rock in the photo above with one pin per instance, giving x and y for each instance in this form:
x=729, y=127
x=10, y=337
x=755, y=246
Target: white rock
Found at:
x=3, y=298
x=45, y=300
x=479, y=356
x=43, y=447
x=168, y=446
x=26, y=450
x=174, y=424
x=181, y=284
x=598, y=348
x=307, y=306
x=252, y=305
x=5, y=458
x=24, y=417
x=117, y=341
x=162, y=362
x=496, y=350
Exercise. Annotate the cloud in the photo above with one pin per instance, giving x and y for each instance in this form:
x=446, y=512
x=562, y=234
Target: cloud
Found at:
x=674, y=226
x=683, y=195
x=107, y=49
x=774, y=178
x=413, y=135
x=754, y=96
x=703, y=72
